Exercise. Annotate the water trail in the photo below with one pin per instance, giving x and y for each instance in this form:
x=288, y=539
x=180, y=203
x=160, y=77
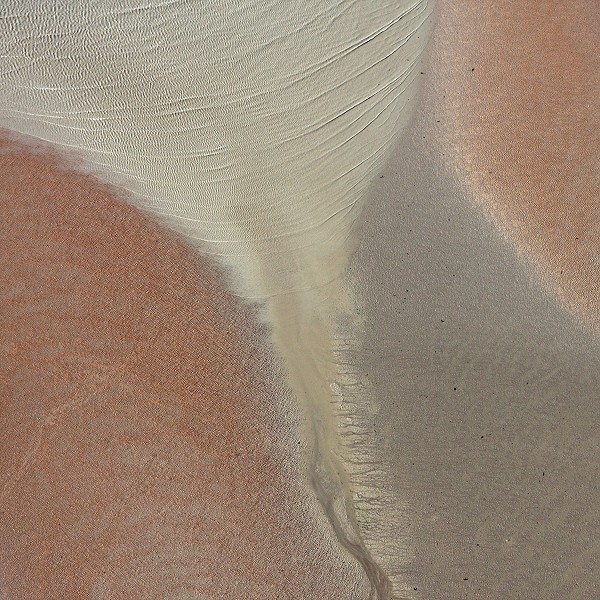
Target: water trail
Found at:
x=307, y=342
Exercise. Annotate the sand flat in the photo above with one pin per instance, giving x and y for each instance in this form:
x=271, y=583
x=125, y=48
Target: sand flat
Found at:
x=485, y=378
x=486, y=394
x=251, y=138
x=144, y=452
x=452, y=400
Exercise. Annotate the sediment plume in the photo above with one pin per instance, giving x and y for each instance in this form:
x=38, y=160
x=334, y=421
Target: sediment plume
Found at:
x=256, y=132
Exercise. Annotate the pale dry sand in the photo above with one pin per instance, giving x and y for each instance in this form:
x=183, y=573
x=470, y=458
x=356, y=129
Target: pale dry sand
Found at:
x=147, y=448
x=254, y=130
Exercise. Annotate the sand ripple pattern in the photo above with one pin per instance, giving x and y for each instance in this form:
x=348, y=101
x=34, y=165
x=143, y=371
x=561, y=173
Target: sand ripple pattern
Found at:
x=255, y=128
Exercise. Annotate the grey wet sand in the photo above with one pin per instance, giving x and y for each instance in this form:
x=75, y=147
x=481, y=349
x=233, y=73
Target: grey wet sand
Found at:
x=147, y=448
x=486, y=386
x=487, y=398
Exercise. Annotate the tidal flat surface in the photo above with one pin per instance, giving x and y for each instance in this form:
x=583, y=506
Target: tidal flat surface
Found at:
x=486, y=396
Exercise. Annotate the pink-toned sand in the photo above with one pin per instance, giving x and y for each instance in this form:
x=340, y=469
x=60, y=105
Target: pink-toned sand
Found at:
x=138, y=458
x=518, y=99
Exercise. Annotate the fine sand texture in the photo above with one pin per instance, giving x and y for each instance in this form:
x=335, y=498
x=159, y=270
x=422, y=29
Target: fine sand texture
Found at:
x=479, y=348
x=483, y=404
x=518, y=99
x=255, y=130
x=418, y=421
x=147, y=448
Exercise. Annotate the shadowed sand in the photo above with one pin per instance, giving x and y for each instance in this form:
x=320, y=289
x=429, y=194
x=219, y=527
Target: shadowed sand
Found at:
x=486, y=396
x=485, y=389
x=519, y=110
x=143, y=452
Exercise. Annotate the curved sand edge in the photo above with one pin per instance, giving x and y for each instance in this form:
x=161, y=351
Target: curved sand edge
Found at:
x=516, y=111
x=147, y=445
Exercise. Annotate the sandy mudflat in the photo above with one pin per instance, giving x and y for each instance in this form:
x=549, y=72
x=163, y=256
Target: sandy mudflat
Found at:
x=143, y=453
x=488, y=396
x=445, y=394
x=486, y=381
